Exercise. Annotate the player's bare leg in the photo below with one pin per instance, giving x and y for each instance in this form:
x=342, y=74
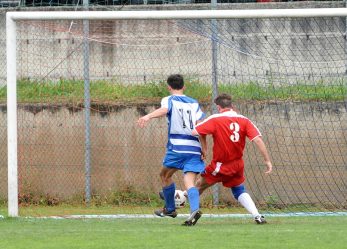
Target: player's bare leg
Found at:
x=166, y=176
x=202, y=185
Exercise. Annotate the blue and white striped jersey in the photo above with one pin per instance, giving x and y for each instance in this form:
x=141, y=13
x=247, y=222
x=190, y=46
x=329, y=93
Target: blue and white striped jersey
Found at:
x=183, y=113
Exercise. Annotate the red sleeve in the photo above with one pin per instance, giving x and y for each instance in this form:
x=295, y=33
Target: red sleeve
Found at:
x=252, y=131
x=206, y=127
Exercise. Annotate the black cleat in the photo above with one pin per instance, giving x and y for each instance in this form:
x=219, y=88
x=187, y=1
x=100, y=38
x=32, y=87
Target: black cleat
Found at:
x=260, y=220
x=193, y=218
x=163, y=213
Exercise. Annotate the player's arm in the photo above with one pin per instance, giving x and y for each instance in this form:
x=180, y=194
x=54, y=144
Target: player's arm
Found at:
x=162, y=111
x=202, y=131
x=262, y=148
x=203, y=142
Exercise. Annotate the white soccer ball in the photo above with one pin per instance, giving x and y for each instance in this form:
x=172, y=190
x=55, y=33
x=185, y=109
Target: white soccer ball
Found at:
x=180, y=199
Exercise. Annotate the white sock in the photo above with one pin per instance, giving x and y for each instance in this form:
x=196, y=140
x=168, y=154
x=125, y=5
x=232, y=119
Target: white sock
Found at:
x=247, y=202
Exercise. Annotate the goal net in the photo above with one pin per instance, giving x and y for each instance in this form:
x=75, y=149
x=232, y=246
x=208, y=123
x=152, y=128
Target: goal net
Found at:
x=286, y=72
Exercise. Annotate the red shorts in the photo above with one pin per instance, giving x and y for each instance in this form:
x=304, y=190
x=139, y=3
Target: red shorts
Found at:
x=230, y=174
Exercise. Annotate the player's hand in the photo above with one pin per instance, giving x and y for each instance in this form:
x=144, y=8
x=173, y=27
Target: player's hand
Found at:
x=268, y=167
x=142, y=121
x=203, y=154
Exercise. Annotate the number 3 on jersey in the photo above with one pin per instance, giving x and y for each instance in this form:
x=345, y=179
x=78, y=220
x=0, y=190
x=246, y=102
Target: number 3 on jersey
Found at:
x=235, y=128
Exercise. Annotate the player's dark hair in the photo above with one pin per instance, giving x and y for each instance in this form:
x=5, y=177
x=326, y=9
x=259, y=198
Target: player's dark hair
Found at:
x=175, y=81
x=223, y=100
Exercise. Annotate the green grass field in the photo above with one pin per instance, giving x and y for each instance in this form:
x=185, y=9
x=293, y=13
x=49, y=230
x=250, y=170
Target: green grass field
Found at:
x=209, y=233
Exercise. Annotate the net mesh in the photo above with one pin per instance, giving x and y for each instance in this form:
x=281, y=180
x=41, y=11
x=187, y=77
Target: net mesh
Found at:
x=287, y=75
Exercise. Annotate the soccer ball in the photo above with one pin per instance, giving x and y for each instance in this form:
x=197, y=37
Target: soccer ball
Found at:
x=180, y=199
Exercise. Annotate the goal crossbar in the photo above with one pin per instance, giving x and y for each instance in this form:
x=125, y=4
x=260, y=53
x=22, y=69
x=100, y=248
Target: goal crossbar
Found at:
x=174, y=14
x=12, y=17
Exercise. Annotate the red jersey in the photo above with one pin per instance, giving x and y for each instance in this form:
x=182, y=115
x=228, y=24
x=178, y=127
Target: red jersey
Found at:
x=229, y=131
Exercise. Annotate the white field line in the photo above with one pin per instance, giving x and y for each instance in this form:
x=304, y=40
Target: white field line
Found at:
x=152, y=216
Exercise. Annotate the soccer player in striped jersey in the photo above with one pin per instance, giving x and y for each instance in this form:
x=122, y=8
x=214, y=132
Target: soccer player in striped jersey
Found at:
x=183, y=150
x=230, y=130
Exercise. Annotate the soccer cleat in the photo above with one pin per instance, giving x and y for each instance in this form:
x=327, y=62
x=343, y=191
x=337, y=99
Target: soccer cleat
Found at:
x=260, y=219
x=163, y=213
x=193, y=218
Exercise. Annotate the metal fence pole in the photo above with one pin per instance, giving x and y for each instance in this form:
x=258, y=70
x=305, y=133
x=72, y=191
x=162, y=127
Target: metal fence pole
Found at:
x=86, y=104
x=214, y=28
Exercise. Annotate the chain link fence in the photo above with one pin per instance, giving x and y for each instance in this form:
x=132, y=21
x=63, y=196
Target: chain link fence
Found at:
x=3, y=119
x=129, y=62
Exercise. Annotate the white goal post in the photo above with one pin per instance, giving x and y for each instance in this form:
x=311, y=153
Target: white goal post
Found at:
x=12, y=17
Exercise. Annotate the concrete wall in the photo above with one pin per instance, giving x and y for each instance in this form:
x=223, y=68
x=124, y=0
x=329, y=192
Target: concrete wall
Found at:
x=307, y=142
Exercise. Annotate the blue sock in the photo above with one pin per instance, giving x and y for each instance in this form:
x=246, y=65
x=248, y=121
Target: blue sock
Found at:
x=169, y=196
x=194, y=199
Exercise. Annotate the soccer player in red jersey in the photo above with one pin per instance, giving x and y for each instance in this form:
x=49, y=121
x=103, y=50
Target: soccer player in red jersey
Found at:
x=230, y=130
